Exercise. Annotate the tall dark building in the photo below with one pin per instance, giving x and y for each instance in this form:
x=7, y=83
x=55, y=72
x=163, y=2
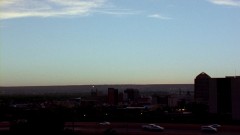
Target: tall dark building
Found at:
x=222, y=95
x=201, y=86
x=225, y=96
x=132, y=94
x=235, y=85
x=112, y=96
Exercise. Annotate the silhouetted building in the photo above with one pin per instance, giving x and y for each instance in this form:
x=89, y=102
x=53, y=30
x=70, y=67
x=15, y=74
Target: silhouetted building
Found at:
x=236, y=98
x=112, y=96
x=179, y=100
x=201, y=88
x=220, y=95
x=224, y=96
x=120, y=98
x=173, y=101
x=144, y=100
x=132, y=94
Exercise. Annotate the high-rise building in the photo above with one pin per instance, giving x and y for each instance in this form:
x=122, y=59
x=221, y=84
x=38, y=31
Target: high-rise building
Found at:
x=112, y=96
x=235, y=84
x=201, y=87
x=222, y=95
x=120, y=97
x=132, y=94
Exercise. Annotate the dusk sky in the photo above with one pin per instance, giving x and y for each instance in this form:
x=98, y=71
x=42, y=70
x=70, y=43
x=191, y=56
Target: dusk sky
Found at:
x=75, y=42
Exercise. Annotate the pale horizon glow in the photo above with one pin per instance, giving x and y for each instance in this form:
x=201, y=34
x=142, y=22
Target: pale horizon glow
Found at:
x=90, y=42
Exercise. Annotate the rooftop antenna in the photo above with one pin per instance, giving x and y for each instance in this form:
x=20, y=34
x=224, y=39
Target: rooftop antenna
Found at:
x=235, y=72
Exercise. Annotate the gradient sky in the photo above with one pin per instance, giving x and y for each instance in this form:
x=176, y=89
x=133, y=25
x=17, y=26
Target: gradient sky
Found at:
x=74, y=42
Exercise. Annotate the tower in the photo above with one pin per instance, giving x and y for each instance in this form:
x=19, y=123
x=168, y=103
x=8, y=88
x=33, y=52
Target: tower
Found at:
x=201, y=88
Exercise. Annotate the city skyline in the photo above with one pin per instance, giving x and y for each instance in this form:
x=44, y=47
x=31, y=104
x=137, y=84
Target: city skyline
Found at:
x=81, y=42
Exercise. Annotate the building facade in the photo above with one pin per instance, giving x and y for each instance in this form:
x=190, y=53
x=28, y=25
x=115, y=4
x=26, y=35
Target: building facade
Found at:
x=235, y=84
x=131, y=95
x=113, y=96
x=222, y=95
x=201, y=87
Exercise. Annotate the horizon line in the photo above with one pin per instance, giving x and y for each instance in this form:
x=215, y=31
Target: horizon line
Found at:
x=95, y=85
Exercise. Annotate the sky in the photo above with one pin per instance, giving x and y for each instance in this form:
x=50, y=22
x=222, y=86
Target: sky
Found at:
x=85, y=42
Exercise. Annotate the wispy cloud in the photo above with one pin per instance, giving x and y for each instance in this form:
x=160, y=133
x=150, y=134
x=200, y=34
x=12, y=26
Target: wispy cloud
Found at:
x=118, y=12
x=158, y=16
x=47, y=8
x=226, y=2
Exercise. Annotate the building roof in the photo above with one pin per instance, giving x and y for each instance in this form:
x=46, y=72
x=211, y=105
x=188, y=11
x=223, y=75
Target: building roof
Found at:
x=203, y=75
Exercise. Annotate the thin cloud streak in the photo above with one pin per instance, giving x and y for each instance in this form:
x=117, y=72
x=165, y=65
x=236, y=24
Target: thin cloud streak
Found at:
x=118, y=11
x=47, y=8
x=226, y=2
x=158, y=16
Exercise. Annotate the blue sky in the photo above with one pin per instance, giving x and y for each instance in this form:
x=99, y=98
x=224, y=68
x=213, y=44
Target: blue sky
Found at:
x=74, y=42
